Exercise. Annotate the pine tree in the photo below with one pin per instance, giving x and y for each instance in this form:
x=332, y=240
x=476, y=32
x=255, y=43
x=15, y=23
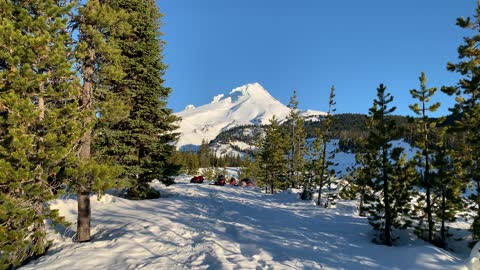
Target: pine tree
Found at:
x=362, y=174
x=449, y=185
x=98, y=56
x=193, y=164
x=39, y=122
x=392, y=174
x=324, y=157
x=204, y=154
x=249, y=169
x=295, y=134
x=425, y=143
x=467, y=107
x=142, y=141
x=272, y=160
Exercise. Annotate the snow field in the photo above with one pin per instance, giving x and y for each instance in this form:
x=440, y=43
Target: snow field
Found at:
x=202, y=226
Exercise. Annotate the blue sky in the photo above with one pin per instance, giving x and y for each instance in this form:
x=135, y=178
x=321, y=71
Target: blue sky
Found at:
x=214, y=46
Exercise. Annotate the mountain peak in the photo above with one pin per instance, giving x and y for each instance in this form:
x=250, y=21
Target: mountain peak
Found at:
x=250, y=88
x=245, y=105
x=247, y=90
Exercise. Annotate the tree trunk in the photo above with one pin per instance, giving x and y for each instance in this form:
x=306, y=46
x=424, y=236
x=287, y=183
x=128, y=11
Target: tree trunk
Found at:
x=83, y=193
x=322, y=172
x=429, y=210
x=272, y=186
x=84, y=215
x=427, y=176
x=478, y=194
x=362, y=198
x=386, y=201
x=442, y=230
x=41, y=102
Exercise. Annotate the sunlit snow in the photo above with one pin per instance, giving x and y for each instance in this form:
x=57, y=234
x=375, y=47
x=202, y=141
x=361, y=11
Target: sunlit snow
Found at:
x=202, y=226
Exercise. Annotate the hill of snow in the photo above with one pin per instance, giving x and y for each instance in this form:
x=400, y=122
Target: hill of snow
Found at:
x=201, y=226
x=244, y=105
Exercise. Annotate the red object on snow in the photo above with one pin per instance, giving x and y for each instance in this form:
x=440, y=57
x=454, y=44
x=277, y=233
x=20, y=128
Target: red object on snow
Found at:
x=220, y=181
x=197, y=179
x=247, y=182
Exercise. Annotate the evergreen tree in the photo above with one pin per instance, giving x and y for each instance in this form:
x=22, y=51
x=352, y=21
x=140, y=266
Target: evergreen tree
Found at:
x=249, y=169
x=386, y=165
x=39, y=122
x=323, y=157
x=209, y=173
x=467, y=107
x=360, y=177
x=425, y=143
x=204, y=154
x=145, y=136
x=98, y=57
x=272, y=160
x=296, y=150
x=192, y=163
x=449, y=185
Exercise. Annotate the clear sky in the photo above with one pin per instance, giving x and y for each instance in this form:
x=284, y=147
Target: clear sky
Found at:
x=214, y=46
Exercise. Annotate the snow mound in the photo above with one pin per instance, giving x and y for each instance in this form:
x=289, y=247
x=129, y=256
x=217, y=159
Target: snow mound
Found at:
x=473, y=262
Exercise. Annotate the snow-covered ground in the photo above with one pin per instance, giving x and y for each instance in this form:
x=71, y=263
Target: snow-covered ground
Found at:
x=202, y=226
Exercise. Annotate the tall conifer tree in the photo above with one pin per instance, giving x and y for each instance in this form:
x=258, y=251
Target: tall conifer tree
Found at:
x=295, y=132
x=467, y=93
x=272, y=159
x=425, y=142
x=449, y=185
x=323, y=159
x=392, y=174
x=98, y=56
x=142, y=142
x=296, y=150
x=362, y=174
x=39, y=122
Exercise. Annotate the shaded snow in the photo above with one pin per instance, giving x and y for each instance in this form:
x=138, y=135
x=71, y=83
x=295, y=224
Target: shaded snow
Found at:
x=201, y=226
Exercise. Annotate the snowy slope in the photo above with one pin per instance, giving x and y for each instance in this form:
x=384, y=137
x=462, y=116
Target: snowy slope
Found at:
x=247, y=104
x=201, y=226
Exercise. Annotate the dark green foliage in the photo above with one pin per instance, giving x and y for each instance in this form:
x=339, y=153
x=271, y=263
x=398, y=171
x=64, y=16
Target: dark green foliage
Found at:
x=449, y=186
x=247, y=133
x=39, y=122
x=392, y=174
x=271, y=158
x=141, y=142
x=190, y=160
x=296, y=148
x=425, y=143
x=351, y=130
x=362, y=174
x=467, y=108
x=318, y=167
x=98, y=61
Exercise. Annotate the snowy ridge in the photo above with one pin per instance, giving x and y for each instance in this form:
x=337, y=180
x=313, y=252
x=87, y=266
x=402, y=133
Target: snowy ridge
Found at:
x=244, y=105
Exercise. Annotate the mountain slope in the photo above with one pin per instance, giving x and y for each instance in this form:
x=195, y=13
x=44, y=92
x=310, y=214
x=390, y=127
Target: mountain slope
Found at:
x=244, y=105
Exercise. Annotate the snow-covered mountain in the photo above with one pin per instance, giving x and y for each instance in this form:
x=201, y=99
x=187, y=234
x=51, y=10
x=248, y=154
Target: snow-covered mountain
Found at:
x=245, y=105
